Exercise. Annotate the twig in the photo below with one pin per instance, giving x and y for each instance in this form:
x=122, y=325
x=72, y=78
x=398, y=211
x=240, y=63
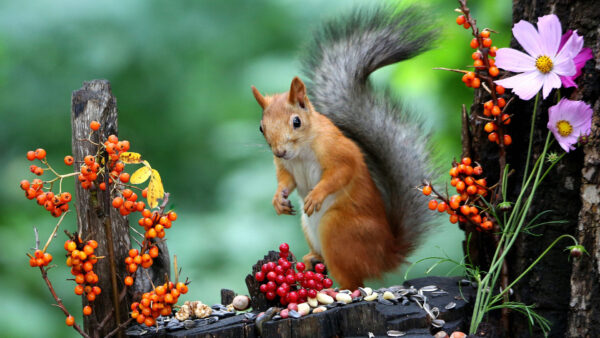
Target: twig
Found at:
x=175, y=267
x=54, y=231
x=37, y=238
x=163, y=205
x=466, y=138
x=118, y=328
x=110, y=314
x=59, y=302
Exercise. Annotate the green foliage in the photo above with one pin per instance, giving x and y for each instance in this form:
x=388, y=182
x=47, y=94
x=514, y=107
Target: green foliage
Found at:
x=181, y=70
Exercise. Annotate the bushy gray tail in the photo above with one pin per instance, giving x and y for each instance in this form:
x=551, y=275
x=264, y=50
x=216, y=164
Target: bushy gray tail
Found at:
x=341, y=57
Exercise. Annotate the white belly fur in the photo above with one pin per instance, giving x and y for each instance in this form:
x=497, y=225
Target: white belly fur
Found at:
x=307, y=173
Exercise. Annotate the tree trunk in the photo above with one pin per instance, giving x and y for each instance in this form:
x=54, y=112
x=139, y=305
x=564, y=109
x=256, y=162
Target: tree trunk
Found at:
x=570, y=190
x=98, y=220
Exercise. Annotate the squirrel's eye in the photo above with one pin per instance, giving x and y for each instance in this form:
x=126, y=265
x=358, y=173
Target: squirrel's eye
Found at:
x=260, y=128
x=296, y=122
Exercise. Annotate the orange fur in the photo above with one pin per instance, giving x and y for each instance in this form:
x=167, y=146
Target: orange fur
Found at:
x=353, y=235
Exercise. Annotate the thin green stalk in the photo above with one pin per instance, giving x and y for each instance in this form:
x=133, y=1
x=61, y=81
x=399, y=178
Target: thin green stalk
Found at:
x=499, y=296
x=535, y=105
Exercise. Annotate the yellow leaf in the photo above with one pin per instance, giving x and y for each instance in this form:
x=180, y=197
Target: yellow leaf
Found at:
x=155, y=189
x=140, y=175
x=129, y=157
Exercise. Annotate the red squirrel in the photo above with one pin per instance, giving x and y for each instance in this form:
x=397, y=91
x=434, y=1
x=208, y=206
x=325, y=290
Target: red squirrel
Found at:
x=355, y=158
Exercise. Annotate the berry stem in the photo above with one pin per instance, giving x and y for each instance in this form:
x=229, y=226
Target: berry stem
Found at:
x=59, y=302
x=54, y=231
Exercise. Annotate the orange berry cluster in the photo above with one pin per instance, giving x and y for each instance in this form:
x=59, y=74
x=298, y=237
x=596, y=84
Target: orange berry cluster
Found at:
x=155, y=224
x=40, y=259
x=128, y=203
x=55, y=204
x=460, y=206
x=496, y=110
x=88, y=172
x=81, y=259
x=158, y=302
x=470, y=78
x=115, y=148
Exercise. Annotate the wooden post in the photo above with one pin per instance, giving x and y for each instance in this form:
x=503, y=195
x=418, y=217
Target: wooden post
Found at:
x=96, y=218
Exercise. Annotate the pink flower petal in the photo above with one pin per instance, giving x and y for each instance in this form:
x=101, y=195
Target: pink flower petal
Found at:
x=550, y=33
x=565, y=68
x=528, y=37
x=564, y=38
x=514, y=60
x=551, y=81
x=569, y=50
x=577, y=113
x=525, y=85
x=567, y=81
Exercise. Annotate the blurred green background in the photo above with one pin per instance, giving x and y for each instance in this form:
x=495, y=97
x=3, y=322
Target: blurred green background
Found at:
x=181, y=72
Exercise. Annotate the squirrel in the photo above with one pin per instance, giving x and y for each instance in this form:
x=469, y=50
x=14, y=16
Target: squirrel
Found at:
x=353, y=155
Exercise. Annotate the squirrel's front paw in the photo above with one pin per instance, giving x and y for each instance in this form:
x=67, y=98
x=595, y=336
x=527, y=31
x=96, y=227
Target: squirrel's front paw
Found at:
x=313, y=202
x=282, y=204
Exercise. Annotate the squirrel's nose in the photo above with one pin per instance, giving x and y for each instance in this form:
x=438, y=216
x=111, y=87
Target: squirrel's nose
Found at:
x=280, y=153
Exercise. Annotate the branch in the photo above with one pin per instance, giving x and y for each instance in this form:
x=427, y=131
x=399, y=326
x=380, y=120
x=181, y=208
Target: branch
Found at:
x=59, y=302
x=118, y=328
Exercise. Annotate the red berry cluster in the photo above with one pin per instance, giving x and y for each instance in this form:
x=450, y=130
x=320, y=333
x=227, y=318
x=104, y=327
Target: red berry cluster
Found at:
x=128, y=203
x=135, y=259
x=55, y=204
x=158, y=302
x=282, y=280
x=81, y=259
x=461, y=207
x=114, y=149
x=496, y=110
x=40, y=259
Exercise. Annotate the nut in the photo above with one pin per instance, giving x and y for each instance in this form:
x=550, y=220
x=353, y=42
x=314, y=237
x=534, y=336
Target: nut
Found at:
x=241, y=302
x=372, y=296
x=324, y=299
x=343, y=297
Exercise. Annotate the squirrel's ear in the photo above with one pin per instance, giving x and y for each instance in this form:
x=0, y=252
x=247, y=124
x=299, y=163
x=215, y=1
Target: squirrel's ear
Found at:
x=259, y=98
x=297, y=93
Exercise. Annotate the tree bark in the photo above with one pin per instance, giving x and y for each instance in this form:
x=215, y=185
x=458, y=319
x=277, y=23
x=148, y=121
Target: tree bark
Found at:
x=556, y=284
x=96, y=218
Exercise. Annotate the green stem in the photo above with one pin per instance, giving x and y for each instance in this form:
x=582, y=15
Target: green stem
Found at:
x=535, y=105
x=499, y=296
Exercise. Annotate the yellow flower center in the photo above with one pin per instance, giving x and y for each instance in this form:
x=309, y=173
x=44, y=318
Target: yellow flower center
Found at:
x=564, y=128
x=544, y=64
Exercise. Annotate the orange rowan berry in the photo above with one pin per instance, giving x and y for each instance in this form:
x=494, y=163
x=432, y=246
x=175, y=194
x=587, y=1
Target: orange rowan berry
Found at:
x=128, y=260
x=427, y=190
x=80, y=279
x=91, y=297
x=466, y=161
x=94, y=125
x=487, y=42
x=25, y=185
x=494, y=71
x=92, y=243
x=467, y=25
x=133, y=253
x=499, y=89
x=38, y=171
x=465, y=210
x=32, y=262
x=124, y=177
x=126, y=193
x=476, y=55
x=470, y=75
x=453, y=219
x=493, y=51
x=496, y=111
x=145, y=193
x=489, y=127
x=433, y=204
x=488, y=105
x=460, y=20
x=468, y=170
x=478, y=170
x=151, y=233
x=153, y=252
x=485, y=34
x=476, y=219
x=487, y=225
x=474, y=43
x=472, y=190
x=182, y=288
x=507, y=139
x=454, y=172
x=172, y=215
x=89, y=160
x=132, y=268
x=129, y=205
x=78, y=289
x=505, y=118
x=117, y=202
x=113, y=139
x=70, y=320
x=97, y=290
x=442, y=206
x=476, y=83
x=493, y=137
x=478, y=64
x=129, y=281
x=40, y=153
x=87, y=310
x=460, y=186
x=31, y=155
x=69, y=160
x=137, y=260
x=492, y=62
x=455, y=201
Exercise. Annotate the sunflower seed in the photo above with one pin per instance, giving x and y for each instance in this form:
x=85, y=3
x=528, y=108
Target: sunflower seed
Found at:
x=450, y=306
x=395, y=333
x=437, y=323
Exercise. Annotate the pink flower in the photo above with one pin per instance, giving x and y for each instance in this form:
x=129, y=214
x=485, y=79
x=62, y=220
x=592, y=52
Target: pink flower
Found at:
x=544, y=65
x=568, y=120
x=580, y=60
